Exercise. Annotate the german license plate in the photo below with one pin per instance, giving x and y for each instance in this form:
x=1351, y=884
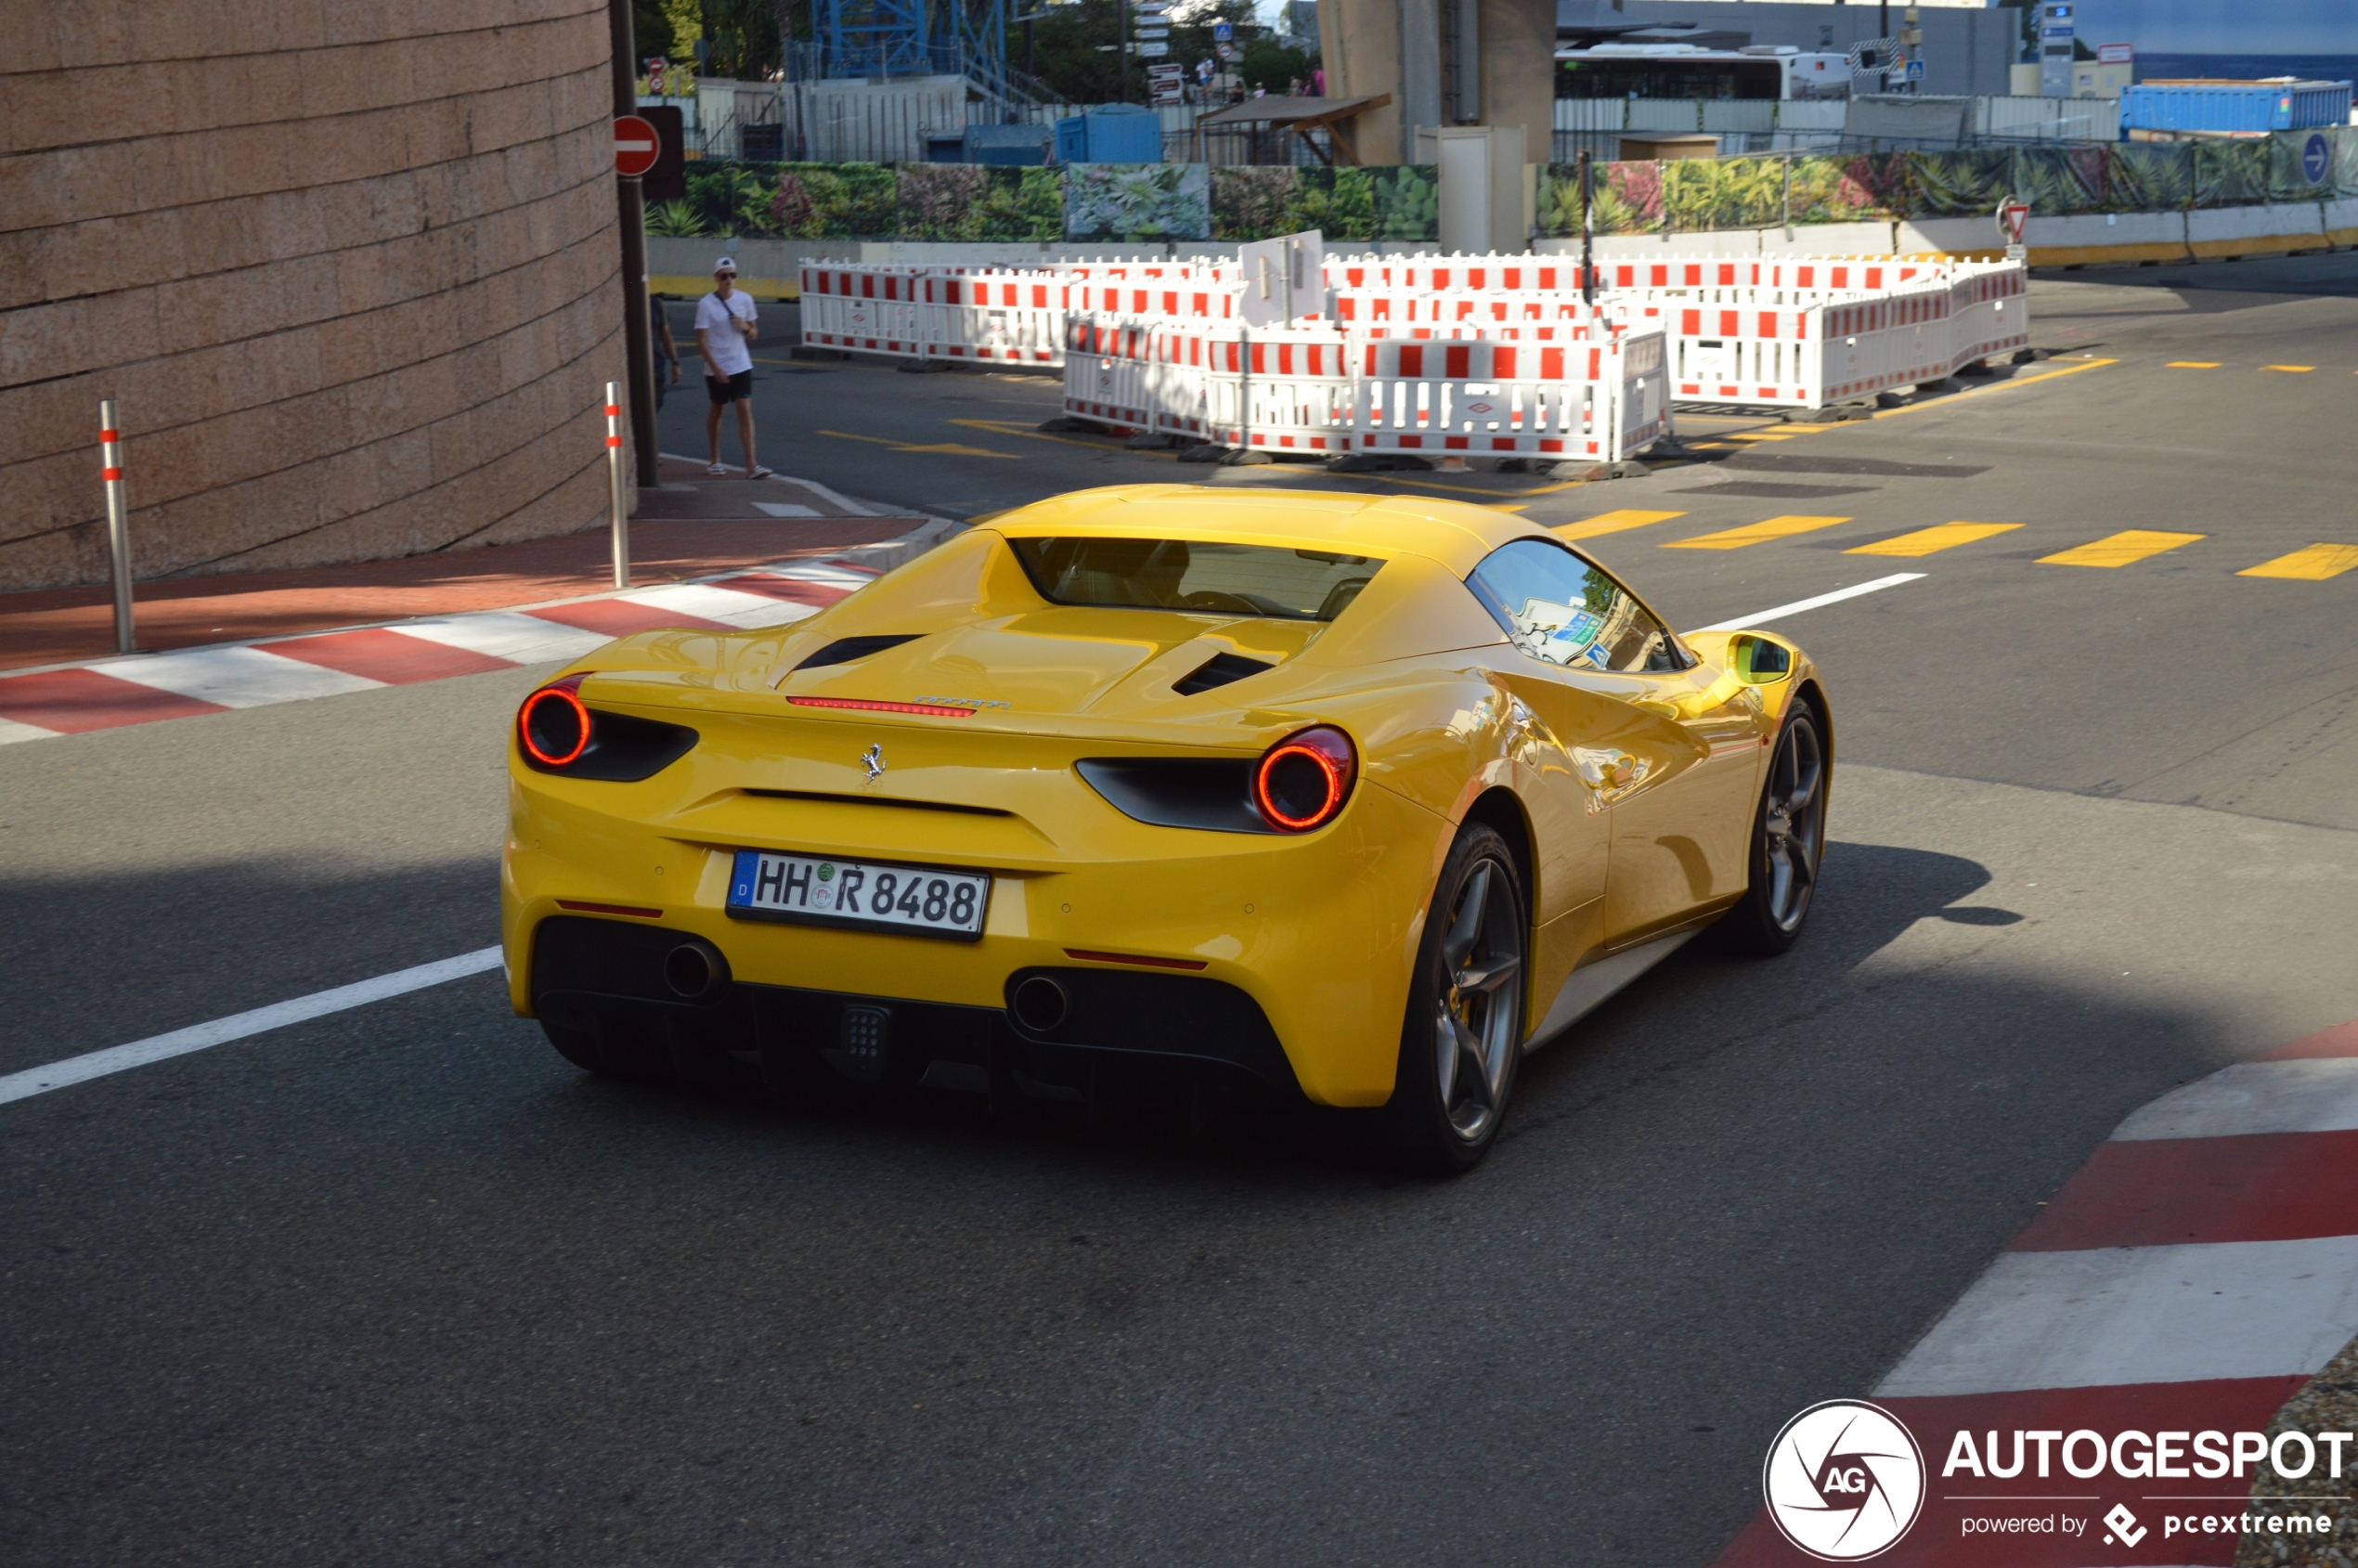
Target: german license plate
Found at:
x=918, y=900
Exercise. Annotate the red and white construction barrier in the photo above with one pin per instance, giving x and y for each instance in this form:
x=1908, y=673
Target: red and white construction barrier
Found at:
x=1795, y=333
x=1601, y=400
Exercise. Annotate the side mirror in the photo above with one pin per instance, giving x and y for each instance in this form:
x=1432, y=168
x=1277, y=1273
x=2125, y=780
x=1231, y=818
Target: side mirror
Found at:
x=1756, y=661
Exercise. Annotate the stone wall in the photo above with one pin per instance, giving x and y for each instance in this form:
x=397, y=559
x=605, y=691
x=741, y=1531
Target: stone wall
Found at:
x=352, y=272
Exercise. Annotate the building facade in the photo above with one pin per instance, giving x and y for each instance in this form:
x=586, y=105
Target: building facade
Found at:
x=351, y=273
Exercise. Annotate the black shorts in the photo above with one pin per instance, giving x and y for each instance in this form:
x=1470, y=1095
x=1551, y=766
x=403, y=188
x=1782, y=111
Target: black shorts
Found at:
x=724, y=393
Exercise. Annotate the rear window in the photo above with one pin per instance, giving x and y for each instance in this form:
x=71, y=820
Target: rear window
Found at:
x=1195, y=575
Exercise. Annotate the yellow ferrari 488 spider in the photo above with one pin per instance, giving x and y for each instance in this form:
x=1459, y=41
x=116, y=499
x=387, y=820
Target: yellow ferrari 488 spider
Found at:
x=1140, y=791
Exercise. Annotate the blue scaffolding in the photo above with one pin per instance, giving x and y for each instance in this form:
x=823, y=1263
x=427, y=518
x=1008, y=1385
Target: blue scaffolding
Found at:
x=916, y=38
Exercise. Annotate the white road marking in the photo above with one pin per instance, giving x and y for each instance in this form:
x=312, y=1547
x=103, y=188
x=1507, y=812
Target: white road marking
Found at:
x=505, y=634
x=2141, y=1315
x=785, y=508
x=11, y=731
x=236, y=676
x=840, y=499
x=712, y=603
x=238, y=1026
x=2315, y=1095
x=1798, y=606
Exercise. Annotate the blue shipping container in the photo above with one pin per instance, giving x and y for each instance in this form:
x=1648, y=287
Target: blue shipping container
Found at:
x=1113, y=133
x=2248, y=106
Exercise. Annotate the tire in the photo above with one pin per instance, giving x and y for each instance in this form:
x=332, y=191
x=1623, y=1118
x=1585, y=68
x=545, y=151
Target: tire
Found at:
x=1461, y=1042
x=1788, y=840
x=631, y=1061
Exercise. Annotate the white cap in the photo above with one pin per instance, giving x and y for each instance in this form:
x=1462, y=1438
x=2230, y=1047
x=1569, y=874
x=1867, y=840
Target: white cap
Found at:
x=726, y=263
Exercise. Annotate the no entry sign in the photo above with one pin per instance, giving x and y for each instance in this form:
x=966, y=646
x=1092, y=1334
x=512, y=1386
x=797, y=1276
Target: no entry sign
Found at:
x=635, y=146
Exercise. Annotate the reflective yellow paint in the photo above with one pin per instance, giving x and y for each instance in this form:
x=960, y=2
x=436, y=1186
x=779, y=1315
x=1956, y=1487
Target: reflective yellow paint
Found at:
x=1611, y=523
x=2314, y=564
x=2119, y=549
x=1755, y=533
x=1926, y=541
x=2192, y=365
x=949, y=448
x=2294, y=368
x=1012, y=427
x=1415, y=670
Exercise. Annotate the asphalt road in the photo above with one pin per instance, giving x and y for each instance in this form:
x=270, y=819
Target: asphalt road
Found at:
x=397, y=1286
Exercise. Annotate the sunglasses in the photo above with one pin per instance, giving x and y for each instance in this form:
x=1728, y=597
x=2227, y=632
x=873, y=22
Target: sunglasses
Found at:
x=724, y=275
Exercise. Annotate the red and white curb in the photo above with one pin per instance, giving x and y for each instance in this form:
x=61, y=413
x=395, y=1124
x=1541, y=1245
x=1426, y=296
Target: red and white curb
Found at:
x=2192, y=1276
x=220, y=677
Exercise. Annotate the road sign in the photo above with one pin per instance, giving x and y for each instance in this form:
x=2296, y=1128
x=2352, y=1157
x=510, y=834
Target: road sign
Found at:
x=2013, y=217
x=1916, y=71
x=1151, y=50
x=1154, y=32
x=635, y=146
x=2316, y=160
x=1222, y=32
x=2115, y=53
x=1225, y=51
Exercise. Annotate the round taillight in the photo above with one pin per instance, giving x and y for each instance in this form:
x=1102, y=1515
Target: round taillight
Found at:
x=552, y=725
x=1305, y=779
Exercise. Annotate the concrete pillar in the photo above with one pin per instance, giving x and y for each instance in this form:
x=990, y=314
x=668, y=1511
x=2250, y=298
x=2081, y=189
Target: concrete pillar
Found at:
x=1394, y=46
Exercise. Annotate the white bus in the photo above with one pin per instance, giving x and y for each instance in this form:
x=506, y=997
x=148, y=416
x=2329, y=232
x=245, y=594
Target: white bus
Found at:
x=1685, y=71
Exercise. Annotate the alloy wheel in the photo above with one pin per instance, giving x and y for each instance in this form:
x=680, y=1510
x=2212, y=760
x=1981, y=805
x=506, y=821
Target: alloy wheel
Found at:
x=1794, y=821
x=1478, y=1000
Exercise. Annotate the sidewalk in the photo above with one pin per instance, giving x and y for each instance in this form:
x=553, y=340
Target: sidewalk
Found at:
x=2194, y=1275
x=689, y=525
x=745, y=554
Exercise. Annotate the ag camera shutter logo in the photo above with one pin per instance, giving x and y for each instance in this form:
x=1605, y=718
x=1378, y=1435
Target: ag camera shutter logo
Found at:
x=1843, y=1481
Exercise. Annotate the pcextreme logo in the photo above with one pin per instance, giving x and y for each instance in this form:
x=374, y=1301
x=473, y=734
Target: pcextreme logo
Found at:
x=1843, y=1481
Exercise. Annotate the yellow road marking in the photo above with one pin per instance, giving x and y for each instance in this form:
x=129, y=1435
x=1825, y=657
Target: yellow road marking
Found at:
x=1755, y=532
x=949, y=448
x=1761, y=434
x=2192, y=365
x=2295, y=369
x=2314, y=564
x=1611, y=523
x=2119, y=549
x=1925, y=541
x=1986, y=391
x=1010, y=427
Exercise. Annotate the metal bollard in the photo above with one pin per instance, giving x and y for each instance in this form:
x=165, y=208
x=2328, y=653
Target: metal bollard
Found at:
x=621, y=501
x=118, y=524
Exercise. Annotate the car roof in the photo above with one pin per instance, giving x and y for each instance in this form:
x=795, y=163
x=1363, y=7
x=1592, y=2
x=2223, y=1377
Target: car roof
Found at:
x=1453, y=533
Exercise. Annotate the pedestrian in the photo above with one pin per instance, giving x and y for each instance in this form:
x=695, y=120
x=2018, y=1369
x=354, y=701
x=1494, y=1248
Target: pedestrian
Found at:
x=1318, y=81
x=666, y=349
x=726, y=326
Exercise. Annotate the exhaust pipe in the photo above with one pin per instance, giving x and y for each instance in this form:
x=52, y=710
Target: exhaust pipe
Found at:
x=695, y=971
x=1040, y=1005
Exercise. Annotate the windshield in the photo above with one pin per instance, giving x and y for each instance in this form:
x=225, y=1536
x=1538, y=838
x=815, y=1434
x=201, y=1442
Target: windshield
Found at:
x=1221, y=579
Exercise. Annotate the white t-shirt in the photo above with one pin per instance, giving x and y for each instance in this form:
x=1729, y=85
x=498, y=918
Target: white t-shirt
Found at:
x=730, y=352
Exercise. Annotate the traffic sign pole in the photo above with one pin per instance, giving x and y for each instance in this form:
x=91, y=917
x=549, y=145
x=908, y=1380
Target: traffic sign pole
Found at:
x=631, y=214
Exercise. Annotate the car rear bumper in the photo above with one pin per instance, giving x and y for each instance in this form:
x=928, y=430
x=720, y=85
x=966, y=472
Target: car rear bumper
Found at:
x=1317, y=932
x=1122, y=1035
